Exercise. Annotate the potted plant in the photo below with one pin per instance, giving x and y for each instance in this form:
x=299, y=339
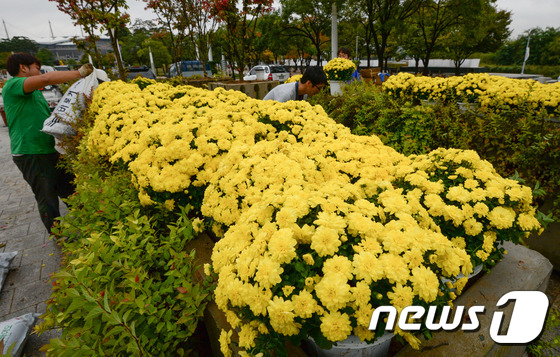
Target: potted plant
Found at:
x=339, y=70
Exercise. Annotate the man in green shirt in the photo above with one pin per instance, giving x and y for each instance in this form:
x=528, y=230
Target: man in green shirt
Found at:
x=33, y=151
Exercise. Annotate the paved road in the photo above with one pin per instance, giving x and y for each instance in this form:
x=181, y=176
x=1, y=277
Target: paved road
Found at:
x=27, y=285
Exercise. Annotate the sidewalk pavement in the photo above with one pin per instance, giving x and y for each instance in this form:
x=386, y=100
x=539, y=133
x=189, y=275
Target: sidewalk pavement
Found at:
x=27, y=286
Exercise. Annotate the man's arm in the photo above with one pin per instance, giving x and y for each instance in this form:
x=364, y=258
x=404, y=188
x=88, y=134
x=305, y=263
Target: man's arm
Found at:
x=56, y=77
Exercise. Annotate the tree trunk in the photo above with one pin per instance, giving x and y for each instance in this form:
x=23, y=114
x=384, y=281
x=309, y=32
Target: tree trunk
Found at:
x=426, y=62
x=117, y=52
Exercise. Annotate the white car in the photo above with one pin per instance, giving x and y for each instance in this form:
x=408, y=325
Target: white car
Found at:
x=272, y=72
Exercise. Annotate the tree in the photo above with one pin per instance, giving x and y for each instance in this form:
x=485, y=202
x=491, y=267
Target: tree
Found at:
x=380, y=19
x=132, y=43
x=485, y=32
x=45, y=56
x=3, y=58
x=270, y=37
x=239, y=19
x=159, y=53
x=194, y=16
x=310, y=19
x=543, y=44
x=88, y=44
x=105, y=15
x=349, y=28
x=168, y=13
x=407, y=35
x=19, y=44
x=221, y=47
x=435, y=18
x=300, y=51
x=552, y=54
x=165, y=11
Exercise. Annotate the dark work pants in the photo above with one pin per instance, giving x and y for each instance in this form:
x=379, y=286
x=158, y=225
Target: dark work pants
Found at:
x=48, y=182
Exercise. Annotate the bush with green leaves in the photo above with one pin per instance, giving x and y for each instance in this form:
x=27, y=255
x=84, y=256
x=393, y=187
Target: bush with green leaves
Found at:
x=547, y=345
x=127, y=286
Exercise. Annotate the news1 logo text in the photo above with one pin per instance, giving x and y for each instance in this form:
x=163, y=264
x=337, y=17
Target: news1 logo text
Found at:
x=526, y=324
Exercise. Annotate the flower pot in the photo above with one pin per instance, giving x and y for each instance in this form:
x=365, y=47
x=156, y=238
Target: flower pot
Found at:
x=477, y=269
x=426, y=102
x=336, y=88
x=466, y=106
x=354, y=347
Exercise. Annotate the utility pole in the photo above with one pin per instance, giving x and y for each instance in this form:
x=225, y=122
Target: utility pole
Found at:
x=334, y=31
x=6, y=29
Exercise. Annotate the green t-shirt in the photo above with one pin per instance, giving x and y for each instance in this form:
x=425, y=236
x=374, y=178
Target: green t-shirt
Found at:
x=25, y=114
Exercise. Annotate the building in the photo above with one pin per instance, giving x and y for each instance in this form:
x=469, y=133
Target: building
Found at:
x=63, y=48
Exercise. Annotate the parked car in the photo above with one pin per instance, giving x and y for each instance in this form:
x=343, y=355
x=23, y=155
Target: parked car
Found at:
x=272, y=72
x=189, y=69
x=142, y=71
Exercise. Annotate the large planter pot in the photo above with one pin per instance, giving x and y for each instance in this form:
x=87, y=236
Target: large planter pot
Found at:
x=200, y=83
x=476, y=270
x=463, y=106
x=354, y=347
x=429, y=103
x=336, y=88
x=254, y=89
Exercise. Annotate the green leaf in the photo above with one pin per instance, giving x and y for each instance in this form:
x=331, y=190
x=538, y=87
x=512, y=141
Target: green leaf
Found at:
x=94, y=312
x=106, y=302
x=114, y=318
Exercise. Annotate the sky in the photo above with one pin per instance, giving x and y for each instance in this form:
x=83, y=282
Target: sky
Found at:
x=30, y=18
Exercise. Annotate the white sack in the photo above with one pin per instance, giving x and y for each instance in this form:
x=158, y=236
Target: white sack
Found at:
x=15, y=332
x=5, y=260
x=71, y=106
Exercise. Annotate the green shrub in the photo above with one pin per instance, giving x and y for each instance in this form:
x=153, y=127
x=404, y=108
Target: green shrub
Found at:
x=547, y=346
x=127, y=286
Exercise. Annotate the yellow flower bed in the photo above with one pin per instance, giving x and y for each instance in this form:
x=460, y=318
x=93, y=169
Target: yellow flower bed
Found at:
x=487, y=90
x=294, y=78
x=319, y=226
x=339, y=69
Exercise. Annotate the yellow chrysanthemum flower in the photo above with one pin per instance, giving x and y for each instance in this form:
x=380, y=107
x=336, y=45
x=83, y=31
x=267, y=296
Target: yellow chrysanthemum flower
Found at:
x=336, y=326
x=333, y=291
